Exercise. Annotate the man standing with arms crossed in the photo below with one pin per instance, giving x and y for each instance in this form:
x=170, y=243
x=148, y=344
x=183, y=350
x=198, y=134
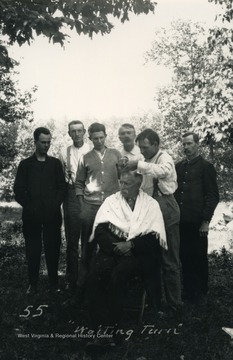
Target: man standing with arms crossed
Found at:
x=197, y=196
x=159, y=181
x=69, y=158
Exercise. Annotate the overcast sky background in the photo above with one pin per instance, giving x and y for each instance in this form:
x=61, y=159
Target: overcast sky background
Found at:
x=106, y=76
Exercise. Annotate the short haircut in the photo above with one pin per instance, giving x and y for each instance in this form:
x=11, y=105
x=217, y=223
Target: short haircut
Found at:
x=96, y=127
x=127, y=125
x=138, y=176
x=40, y=130
x=75, y=122
x=195, y=136
x=149, y=134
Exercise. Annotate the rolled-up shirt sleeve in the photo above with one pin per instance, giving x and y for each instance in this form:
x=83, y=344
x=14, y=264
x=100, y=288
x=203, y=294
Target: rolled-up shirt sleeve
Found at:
x=156, y=170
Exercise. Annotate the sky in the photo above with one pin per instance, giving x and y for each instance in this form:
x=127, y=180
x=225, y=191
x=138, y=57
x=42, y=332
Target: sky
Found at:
x=106, y=76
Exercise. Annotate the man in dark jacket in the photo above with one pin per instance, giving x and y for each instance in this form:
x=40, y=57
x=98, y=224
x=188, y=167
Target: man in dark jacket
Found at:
x=197, y=196
x=40, y=188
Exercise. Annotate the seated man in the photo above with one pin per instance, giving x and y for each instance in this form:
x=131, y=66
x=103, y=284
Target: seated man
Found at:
x=129, y=230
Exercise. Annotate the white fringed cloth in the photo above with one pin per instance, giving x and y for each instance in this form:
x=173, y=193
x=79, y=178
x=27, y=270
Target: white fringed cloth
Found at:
x=145, y=218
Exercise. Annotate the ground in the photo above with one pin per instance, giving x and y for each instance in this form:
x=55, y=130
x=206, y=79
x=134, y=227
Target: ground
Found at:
x=54, y=326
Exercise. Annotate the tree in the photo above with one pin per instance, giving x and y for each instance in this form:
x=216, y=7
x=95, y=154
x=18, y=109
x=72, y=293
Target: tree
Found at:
x=200, y=95
x=15, y=108
x=21, y=20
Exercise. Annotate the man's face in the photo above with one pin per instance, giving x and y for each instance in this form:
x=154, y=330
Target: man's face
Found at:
x=43, y=144
x=148, y=150
x=129, y=186
x=76, y=132
x=98, y=140
x=190, y=147
x=127, y=135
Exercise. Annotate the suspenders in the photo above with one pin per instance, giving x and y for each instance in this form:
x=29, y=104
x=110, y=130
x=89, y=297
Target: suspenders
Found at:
x=69, y=164
x=157, y=192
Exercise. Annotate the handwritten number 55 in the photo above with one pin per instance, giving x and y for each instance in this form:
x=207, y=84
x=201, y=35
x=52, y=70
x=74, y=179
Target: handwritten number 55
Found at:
x=28, y=312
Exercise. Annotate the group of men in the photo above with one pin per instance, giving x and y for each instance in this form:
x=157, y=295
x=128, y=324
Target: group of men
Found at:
x=135, y=211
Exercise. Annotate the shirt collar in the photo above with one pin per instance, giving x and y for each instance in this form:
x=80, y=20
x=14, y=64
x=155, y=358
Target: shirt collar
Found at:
x=193, y=161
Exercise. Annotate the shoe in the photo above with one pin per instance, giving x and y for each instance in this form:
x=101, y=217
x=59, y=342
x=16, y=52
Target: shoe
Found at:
x=55, y=289
x=31, y=290
x=153, y=316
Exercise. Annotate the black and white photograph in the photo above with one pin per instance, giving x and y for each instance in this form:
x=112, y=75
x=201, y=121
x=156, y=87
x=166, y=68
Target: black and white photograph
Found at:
x=116, y=190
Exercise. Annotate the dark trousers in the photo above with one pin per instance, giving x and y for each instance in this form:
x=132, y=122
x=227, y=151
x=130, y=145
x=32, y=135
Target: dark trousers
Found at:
x=72, y=223
x=50, y=233
x=108, y=280
x=171, y=257
x=88, y=217
x=194, y=259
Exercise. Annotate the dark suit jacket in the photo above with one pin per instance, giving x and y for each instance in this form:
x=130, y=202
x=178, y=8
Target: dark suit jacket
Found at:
x=40, y=188
x=197, y=193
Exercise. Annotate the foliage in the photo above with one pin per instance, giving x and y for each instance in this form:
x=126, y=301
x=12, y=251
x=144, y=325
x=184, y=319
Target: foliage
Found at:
x=21, y=20
x=201, y=93
x=14, y=108
x=200, y=96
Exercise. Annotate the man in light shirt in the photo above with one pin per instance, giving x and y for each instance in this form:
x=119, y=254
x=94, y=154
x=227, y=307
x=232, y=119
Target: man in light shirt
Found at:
x=160, y=182
x=127, y=137
x=69, y=158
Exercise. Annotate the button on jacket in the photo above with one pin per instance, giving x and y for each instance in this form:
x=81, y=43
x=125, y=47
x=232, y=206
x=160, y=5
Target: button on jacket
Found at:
x=197, y=193
x=40, y=188
x=97, y=178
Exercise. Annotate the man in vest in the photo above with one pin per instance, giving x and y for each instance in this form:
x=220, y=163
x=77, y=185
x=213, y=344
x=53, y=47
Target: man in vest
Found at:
x=69, y=158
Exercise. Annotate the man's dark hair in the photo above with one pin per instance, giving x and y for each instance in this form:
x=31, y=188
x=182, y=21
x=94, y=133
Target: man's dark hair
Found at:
x=195, y=136
x=40, y=130
x=149, y=134
x=96, y=127
x=75, y=122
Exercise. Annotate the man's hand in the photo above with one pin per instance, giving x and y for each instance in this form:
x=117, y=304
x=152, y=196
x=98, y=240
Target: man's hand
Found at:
x=204, y=228
x=122, y=248
x=131, y=165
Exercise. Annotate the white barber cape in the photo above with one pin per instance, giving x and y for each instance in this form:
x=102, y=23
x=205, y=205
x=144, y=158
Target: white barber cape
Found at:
x=145, y=218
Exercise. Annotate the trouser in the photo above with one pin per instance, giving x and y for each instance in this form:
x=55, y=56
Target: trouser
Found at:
x=171, y=257
x=88, y=217
x=72, y=223
x=50, y=233
x=108, y=282
x=194, y=260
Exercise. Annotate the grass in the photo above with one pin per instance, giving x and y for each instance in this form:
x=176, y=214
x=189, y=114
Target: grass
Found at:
x=196, y=334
